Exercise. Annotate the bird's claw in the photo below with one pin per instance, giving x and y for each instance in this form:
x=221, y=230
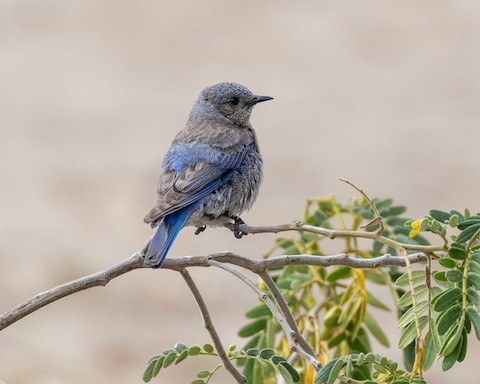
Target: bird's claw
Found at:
x=200, y=229
x=236, y=230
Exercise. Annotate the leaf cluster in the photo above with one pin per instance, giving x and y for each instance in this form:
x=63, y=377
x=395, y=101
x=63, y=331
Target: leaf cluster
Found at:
x=265, y=358
x=335, y=310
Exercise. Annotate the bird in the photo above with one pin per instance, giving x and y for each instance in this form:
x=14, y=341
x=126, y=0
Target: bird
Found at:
x=212, y=171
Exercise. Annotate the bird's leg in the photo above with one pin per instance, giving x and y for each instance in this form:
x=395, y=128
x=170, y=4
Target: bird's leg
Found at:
x=237, y=222
x=200, y=229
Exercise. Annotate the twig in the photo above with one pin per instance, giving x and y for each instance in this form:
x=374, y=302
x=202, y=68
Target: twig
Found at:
x=378, y=219
x=293, y=338
x=334, y=233
x=297, y=336
x=207, y=320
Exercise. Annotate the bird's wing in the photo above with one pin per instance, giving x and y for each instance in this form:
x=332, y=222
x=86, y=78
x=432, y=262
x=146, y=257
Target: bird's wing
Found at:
x=187, y=177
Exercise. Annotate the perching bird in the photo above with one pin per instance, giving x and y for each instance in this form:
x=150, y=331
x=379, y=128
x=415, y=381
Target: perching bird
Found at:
x=212, y=171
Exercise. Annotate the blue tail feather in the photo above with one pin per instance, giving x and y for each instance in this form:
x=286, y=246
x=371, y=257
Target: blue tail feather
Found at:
x=167, y=230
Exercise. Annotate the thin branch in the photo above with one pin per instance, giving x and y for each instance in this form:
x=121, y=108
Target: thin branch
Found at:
x=378, y=219
x=291, y=333
x=297, y=336
x=102, y=277
x=207, y=320
x=333, y=234
x=98, y=279
x=258, y=266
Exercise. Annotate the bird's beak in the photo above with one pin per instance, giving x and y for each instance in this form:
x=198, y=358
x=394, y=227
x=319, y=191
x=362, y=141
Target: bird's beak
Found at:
x=259, y=99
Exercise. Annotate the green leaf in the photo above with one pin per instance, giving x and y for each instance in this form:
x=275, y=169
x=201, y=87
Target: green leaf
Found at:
x=373, y=301
x=453, y=222
x=285, y=374
x=447, y=262
x=468, y=233
x=440, y=276
x=198, y=381
x=266, y=353
x=448, y=318
x=169, y=359
x=447, y=299
x=252, y=352
x=409, y=315
x=406, y=299
x=474, y=279
x=292, y=371
x=277, y=359
x=410, y=333
x=463, y=348
x=248, y=370
x=337, y=339
x=158, y=365
x=322, y=375
x=469, y=222
x=194, y=350
x=183, y=355
x=452, y=349
x=337, y=367
x=252, y=343
x=208, y=348
x=258, y=311
x=473, y=297
x=476, y=256
x=148, y=374
x=252, y=328
x=474, y=267
x=430, y=354
x=284, y=283
x=203, y=374
x=457, y=252
x=451, y=358
x=179, y=347
x=475, y=319
x=231, y=347
x=440, y=215
x=418, y=277
x=393, y=211
x=453, y=337
x=377, y=246
x=454, y=275
x=375, y=329
x=338, y=274
x=262, y=362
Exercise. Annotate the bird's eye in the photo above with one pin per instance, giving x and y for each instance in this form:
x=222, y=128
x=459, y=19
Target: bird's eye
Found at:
x=234, y=100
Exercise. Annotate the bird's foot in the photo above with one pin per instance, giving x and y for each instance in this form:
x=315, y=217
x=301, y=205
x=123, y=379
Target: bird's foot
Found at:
x=237, y=222
x=200, y=229
x=236, y=230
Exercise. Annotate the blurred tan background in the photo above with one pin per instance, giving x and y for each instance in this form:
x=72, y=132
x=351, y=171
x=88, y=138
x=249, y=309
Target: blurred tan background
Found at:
x=385, y=93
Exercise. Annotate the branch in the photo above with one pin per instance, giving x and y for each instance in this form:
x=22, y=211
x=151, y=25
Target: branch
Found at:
x=98, y=279
x=334, y=233
x=298, y=338
x=258, y=266
x=287, y=322
x=207, y=320
x=135, y=261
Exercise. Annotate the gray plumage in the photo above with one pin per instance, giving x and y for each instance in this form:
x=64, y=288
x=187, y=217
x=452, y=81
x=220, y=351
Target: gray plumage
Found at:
x=212, y=171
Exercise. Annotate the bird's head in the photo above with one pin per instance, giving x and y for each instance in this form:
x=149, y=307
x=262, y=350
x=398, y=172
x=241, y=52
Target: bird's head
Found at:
x=226, y=102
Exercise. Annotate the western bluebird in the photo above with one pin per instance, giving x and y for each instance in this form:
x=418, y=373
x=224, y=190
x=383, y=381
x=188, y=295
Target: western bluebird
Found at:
x=212, y=170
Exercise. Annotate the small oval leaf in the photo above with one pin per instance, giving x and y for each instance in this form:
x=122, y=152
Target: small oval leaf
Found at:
x=447, y=299
x=454, y=275
x=252, y=328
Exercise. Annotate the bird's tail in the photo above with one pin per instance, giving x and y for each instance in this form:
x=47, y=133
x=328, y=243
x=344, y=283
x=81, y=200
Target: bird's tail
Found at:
x=167, y=230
